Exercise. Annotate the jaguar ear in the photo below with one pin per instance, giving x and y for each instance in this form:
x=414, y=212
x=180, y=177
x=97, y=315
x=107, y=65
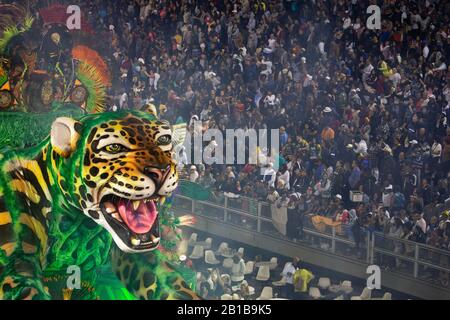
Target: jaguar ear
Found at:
x=64, y=135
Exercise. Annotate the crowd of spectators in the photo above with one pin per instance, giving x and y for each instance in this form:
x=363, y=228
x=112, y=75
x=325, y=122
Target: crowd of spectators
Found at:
x=358, y=110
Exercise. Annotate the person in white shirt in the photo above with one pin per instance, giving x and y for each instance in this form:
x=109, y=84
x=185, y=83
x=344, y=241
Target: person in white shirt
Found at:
x=420, y=222
x=442, y=66
x=321, y=47
x=153, y=80
x=273, y=195
x=271, y=44
x=307, y=81
x=420, y=228
x=282, y=201
x=123, y=100
x=288, y=273
x=270, y=175
x=193, y=174
x=425, y=51
x=367, y=70
x=446, y=93
x=268, y=64
x=415, y=20
x=347, y=22
x=436, y=152
x=238, y=269
x=270, y=99
x=230, y=173
x=181, y=158
x=387, y=196
x=361, y=146
x=210, y=281
x=285, y=177
x=395, y=78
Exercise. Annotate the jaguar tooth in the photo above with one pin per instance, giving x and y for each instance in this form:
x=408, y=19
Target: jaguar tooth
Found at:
x=136, y=204
x=109, y=207
x=155, y=239
x=135, y=241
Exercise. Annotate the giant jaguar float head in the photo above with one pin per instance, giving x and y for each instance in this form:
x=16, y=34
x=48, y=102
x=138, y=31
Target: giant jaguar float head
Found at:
x=117, y=168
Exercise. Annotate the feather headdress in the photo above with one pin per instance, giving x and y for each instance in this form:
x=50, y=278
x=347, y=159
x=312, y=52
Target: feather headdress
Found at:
x=92, y=71
x=14, y=20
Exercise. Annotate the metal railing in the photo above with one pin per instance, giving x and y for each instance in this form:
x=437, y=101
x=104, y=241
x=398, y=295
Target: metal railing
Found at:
x=411, y=258
x=407, y=257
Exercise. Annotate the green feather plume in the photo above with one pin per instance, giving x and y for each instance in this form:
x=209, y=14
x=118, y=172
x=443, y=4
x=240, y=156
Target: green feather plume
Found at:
x=12, y=31
x=91, y=80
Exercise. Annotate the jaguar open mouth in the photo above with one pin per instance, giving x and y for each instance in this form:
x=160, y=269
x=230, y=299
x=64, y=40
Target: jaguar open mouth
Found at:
x=136, y=222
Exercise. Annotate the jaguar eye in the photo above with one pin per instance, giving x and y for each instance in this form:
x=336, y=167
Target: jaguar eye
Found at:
x=165, y=140
x=114, y=148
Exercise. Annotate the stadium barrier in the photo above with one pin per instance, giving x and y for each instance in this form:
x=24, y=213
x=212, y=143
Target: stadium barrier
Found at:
x=409, y=258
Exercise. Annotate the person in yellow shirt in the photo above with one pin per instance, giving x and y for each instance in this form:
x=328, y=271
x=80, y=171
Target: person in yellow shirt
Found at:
x=302, y=278
x=385, y=70
x=303, y=145
x=178, y=38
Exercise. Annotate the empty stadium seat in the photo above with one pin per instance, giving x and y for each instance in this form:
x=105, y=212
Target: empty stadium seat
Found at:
x=182, y=248
x=365, y=295
x=324, y=283
x=222, y=247
x=192, y=239
x=266, y=294
x=210, y=257
x=249, y=266
x=315, y=293
x=386, y=296
x=207, y=244
x=263, y=273
x=197, y=253
x=280, y=283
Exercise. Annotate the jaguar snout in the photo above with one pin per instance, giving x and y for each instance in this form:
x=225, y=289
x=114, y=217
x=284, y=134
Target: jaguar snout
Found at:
x=158, y=174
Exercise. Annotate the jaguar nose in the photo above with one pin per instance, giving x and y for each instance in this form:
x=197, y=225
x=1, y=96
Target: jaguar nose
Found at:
x=157, y=174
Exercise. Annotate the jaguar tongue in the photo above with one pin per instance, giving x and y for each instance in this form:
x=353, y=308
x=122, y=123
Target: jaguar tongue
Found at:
x=139, y=220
